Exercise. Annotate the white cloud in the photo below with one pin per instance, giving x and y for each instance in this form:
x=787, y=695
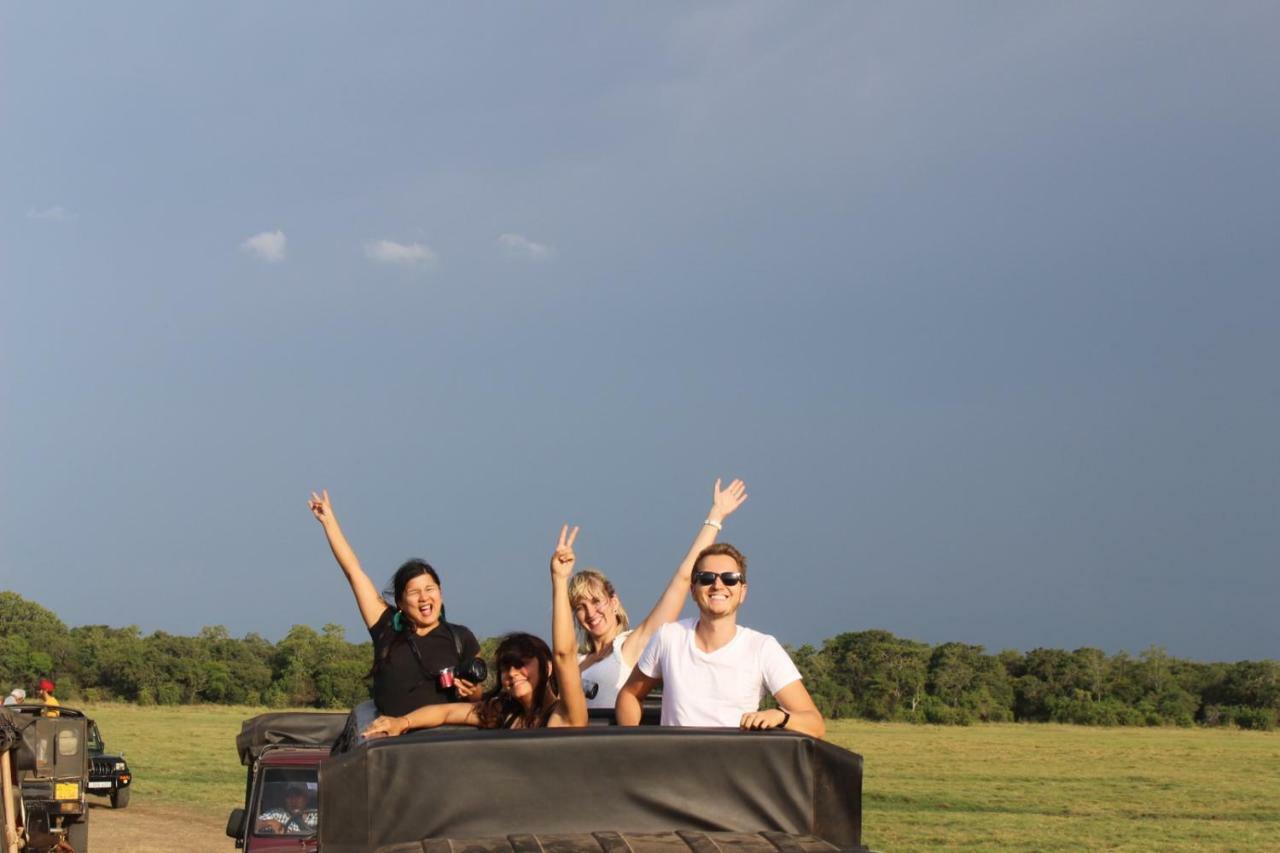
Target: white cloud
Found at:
x=57, y=213
x=521, y=246
x=391, y=252
x=269, y=245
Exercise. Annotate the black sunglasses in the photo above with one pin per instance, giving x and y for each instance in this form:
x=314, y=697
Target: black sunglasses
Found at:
x=511, y=661
x=726, y=578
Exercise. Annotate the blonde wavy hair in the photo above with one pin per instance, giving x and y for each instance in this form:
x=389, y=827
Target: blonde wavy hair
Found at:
x=590, y=583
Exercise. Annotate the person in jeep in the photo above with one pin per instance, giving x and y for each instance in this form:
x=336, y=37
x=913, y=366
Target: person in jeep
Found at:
x=537, y=687
x=44, y=692
x=714, y=671
x=298, y=815
x=416, y=651
x=609, y=646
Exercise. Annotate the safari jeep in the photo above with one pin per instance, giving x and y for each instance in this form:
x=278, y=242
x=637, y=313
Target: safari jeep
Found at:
x=281, y=752
x=49, y=763
x=592, y=790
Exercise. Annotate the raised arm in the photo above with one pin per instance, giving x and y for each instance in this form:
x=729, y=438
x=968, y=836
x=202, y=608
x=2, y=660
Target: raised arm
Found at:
x=426, y=717
x=723, y=503
x=571, y=710
x=367, y=597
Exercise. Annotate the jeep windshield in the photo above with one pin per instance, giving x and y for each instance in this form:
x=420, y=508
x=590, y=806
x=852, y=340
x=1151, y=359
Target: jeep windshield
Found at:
x=286, y=803
x=94, y=742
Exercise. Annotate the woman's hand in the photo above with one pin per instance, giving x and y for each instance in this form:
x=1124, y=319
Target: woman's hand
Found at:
x=320, y=507
x=563, y=559
x=725, y=501
x=467, y=689
x=386, y=727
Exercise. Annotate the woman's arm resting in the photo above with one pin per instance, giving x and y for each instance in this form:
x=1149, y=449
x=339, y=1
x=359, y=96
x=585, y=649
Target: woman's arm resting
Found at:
x=723, y=504
x=630, y=703
x=426, y=717
x=367, y=596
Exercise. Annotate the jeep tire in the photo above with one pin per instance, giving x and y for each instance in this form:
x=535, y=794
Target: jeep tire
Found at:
x=78, y=834
x=119, y=798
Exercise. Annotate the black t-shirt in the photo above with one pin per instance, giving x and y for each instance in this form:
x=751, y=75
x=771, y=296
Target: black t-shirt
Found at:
x=402, y=684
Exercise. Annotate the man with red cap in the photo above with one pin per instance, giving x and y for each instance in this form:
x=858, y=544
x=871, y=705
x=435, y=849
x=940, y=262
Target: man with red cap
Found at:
x=44, y=692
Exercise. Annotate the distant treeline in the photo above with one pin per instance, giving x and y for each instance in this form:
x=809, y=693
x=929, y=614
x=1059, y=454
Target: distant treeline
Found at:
x=872, y=675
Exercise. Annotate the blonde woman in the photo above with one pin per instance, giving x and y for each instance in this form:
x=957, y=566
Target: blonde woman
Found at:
x=608, y=645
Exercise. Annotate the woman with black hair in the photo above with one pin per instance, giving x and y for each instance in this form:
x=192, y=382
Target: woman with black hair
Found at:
x=536, y=686
x=415, y=651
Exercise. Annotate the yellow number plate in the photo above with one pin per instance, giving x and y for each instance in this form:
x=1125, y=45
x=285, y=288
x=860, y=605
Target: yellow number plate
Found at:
x=66, y=791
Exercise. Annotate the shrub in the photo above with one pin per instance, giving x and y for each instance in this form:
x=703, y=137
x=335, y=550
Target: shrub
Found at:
x=1260, y=719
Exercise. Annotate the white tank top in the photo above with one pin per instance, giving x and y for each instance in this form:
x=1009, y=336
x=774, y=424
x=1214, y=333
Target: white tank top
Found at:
x=608, y=674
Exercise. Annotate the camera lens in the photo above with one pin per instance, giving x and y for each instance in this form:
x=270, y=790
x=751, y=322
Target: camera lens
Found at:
x=473, y=670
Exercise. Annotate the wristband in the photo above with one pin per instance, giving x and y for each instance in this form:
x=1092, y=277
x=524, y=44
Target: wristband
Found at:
x=709, y=523
x=786, y=718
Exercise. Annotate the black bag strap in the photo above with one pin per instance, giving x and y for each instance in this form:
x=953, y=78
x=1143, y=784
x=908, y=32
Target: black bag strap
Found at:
x=417, y=655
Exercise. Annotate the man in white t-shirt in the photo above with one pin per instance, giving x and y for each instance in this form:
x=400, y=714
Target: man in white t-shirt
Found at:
x=713, y=671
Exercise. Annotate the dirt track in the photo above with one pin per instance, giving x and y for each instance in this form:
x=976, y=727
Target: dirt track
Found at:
x=146, y=828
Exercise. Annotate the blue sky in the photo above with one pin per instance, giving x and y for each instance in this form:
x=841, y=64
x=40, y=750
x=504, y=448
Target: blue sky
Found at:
x=980, y=299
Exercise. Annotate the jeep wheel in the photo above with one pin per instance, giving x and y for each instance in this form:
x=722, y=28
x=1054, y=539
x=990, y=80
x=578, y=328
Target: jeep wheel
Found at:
x=78, y=834
x=119, y=798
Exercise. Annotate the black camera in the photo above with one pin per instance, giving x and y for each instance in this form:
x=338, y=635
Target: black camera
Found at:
x=473, y=670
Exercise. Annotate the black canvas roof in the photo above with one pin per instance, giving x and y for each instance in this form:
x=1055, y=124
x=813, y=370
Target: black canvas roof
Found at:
x=288, y=728
x=409, y=793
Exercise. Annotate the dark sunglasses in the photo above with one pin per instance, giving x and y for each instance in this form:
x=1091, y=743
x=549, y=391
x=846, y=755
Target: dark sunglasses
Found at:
x=726, y=578
x=510, y=661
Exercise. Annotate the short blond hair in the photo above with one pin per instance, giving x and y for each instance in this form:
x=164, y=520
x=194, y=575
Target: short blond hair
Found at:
x=721, y=548
x=586, y=584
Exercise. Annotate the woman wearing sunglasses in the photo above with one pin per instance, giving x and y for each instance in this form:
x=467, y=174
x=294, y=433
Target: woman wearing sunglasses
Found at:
x=536, y=686
x=609, y=647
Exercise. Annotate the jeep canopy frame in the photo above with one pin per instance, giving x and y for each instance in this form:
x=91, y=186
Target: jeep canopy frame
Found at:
x=288, y=728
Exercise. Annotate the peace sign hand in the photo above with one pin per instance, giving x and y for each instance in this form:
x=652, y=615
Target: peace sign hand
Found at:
x=563, y=559
x=320, y=506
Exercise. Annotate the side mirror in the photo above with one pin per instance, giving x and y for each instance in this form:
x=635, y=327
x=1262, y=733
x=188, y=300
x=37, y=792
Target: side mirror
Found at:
x=235, y=825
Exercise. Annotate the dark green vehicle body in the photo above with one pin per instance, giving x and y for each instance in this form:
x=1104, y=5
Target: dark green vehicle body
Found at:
x=50, y=762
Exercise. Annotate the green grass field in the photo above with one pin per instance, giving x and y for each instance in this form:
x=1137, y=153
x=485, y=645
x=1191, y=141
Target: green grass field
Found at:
x=1013, y=787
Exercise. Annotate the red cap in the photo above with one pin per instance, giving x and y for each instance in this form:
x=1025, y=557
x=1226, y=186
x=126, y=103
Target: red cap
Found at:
x=46, y=685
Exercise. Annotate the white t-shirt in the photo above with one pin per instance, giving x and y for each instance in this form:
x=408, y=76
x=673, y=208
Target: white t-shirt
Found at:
x=716, y=689
x=609, y=674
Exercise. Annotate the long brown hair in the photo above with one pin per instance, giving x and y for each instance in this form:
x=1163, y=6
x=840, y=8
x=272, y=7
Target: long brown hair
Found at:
x=498, y=709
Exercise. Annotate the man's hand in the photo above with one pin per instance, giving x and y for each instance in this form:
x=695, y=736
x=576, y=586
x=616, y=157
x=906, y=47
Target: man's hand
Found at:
x=467, y=689
x=320, y=507
x=563, y=559
x=725, y=501
x=270, y=827
x=386, y=727
x=757, y=720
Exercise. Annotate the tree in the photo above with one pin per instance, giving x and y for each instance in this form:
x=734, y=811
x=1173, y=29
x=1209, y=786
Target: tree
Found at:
x=885, y=674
